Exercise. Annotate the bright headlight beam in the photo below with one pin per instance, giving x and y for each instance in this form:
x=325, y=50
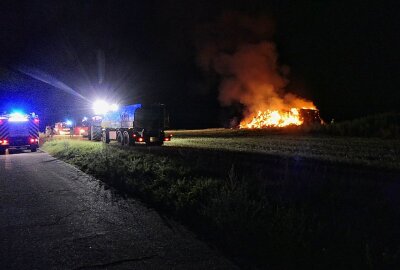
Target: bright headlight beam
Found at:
x=100, y=107
x=114, y=107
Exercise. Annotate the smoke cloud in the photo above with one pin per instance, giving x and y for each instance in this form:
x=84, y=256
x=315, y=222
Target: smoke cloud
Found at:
x=240, y=50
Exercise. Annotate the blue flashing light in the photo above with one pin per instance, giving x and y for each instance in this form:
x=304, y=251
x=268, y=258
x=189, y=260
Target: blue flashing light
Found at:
x=17, y=116
x=17, y=113
x=69, y=123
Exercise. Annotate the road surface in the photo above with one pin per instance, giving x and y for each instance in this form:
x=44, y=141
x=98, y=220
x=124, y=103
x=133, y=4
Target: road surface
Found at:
x=53, y=216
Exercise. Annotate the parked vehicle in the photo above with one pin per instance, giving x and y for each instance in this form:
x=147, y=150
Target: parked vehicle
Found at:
x=131, y=124
x=19, y=131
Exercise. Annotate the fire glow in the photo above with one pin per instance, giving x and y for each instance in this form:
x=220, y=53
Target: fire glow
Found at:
x=268, y=118
x=252, y=77
x=274, y=118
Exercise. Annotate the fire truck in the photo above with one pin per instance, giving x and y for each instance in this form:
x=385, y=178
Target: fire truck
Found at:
x=81, y=131
x=19, y=131
x=131, y=124
x=62, y=128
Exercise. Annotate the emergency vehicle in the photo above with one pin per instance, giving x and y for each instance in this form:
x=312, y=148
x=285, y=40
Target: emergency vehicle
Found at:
x=19, y=131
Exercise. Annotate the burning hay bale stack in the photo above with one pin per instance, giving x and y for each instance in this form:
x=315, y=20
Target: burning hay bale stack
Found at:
x=251, y=74
x=310, y=117
x=282, y=118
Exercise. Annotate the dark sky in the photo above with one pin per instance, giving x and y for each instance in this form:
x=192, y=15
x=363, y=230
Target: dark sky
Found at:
x=342, y=55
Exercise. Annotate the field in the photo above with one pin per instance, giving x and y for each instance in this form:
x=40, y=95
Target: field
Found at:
x=266, y=199
x=361, y=151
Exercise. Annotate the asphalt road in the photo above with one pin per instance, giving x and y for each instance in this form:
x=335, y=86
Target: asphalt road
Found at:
x=53, y=216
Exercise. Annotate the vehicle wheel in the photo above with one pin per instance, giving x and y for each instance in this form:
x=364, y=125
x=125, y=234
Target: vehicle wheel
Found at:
x=105, y=137
x=2, y=151
x=96, y=133
x=127, y=139
x=120, y=138
x=33, y=148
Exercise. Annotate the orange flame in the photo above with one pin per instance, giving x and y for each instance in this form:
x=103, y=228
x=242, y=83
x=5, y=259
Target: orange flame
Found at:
x=273, y=118
x=251, y=74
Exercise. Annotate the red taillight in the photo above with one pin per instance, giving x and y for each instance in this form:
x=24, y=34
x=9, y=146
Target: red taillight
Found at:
x=36, y=120
x=134, y=135
x=167, y=139
x=32, y=140
x=3, y=142
x=140, y=139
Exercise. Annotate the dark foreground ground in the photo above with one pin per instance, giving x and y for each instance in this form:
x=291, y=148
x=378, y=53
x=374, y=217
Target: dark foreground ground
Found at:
x=53, y=216
x=263, y=210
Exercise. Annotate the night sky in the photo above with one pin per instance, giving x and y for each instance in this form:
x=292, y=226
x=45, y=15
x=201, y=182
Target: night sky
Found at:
x=342, y=56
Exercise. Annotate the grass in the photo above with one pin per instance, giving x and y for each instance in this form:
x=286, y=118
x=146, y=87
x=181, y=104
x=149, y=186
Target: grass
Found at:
x=304, y=217
x=385, y=125
x=350, y=150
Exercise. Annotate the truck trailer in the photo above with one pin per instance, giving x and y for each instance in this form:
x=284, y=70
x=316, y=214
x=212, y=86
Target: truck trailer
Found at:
x=131, y=124
x=19, y=131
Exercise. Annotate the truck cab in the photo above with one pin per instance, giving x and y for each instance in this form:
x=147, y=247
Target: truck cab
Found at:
x=19, y=131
